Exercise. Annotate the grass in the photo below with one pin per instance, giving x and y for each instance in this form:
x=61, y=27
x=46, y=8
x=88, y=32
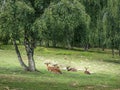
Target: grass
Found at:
x=105, y=70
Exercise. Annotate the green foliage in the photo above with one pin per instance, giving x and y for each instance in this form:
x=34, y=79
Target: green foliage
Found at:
x=111, y=21
x=65, y=23
x=61, y=19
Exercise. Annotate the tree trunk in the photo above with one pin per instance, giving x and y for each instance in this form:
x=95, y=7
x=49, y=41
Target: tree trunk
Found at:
x=47, y=43
x=119, y=50
x=54, y=43
x=99, y=42
x=30, y=53
x=68, y=44
x=103, y=47
x=24, y=66
x=113, y=52
x=113, y=48
x=31, y=62
x=86, y=43
x=86, y=47
x=19, y=56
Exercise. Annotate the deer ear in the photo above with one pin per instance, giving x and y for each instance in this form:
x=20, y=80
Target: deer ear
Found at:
x=86, y=68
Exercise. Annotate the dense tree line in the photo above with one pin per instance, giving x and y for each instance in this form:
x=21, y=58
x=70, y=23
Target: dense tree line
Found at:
x=59, y=23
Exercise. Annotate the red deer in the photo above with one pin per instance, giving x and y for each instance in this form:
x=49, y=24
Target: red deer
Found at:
x=56, y=65
x=53, y=68
x=86, y=71
x=71, y=69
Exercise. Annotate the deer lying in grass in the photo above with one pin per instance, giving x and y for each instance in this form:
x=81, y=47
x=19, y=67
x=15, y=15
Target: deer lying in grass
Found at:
x=86, y=71
x=54, y=69
x=56, y=65
x=71, y=69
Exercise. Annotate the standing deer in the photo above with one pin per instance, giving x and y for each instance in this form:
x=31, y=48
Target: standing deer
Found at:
x=53, y=68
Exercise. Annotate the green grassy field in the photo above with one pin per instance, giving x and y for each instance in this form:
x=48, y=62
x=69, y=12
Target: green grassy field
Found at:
x=105, y=70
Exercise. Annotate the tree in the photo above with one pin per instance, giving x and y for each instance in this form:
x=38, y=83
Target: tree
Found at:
x=18, y=17
x=60, y=20
x=111, y=24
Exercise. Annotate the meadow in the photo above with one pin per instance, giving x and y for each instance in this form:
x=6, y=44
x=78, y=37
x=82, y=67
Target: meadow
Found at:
x=105, y=70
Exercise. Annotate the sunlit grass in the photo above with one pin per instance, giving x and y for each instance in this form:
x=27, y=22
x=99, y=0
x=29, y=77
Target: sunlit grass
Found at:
x=105, y=71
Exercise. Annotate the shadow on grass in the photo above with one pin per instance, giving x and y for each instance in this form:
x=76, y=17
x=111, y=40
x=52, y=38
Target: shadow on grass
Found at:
x=94, y=50
x=112, y=61
x=27, y=84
